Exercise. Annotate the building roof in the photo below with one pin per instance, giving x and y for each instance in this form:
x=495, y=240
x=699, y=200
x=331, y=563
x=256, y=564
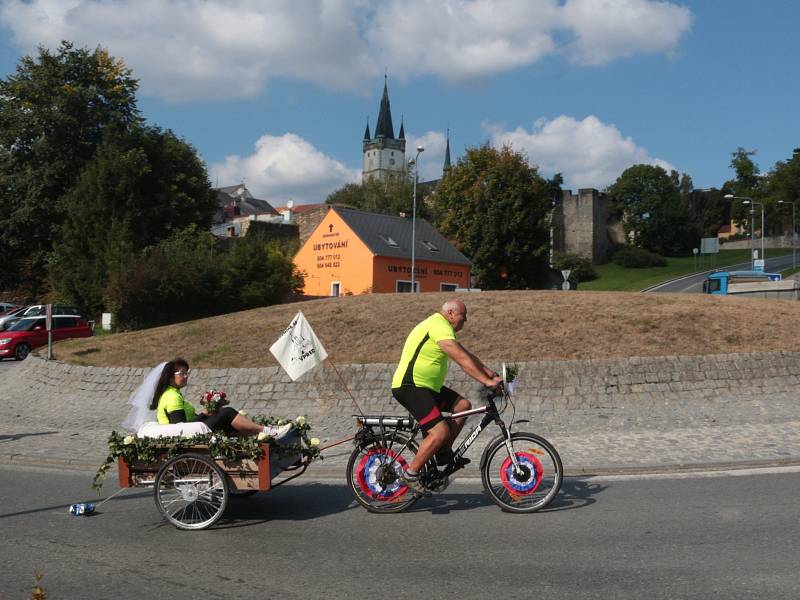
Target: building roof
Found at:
x=447, y=153
x=384, y=127
x=241, y=196
x=299, y=209
x=386, y=235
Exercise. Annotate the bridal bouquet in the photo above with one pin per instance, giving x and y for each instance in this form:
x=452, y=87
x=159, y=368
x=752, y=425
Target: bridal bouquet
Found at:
x=213, y=400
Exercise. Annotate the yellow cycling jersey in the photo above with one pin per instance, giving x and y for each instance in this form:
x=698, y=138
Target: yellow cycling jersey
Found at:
x=423, y=363
x=170, y=401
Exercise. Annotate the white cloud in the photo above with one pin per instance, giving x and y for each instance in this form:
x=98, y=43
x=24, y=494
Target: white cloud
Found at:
x=589, y=153
x=207, y=49
x=431, y=160
x=608, y=29
x=285, y=167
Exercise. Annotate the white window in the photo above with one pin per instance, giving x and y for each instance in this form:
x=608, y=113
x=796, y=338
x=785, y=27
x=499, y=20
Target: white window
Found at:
x=448, y=287
x=335, y=287
x=404, y=287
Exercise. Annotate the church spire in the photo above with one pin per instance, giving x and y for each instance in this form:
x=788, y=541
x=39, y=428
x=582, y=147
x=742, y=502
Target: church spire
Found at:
x=402, y=134
x=384, y=127
x=447, y=154
x=367, y=136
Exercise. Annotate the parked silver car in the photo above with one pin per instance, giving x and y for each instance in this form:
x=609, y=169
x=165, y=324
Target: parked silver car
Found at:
x=11, y=316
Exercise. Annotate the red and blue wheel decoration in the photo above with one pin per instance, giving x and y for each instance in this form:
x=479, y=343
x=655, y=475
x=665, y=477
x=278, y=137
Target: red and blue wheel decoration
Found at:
x=368, y=474
x=531, y=465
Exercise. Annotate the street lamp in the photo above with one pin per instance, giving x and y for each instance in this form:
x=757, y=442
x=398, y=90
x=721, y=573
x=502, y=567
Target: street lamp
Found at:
x=413, y=163
x=752, y=203
x=794, y=234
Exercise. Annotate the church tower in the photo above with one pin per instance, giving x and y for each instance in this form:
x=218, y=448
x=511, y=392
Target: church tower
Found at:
x=384, y=155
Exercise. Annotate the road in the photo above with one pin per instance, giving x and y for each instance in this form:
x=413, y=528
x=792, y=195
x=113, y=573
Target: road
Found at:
x=683, y=537
x=6, y=364
x=694, y=283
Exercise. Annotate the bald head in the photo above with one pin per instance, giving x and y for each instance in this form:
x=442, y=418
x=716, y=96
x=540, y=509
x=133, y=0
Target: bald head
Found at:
x=455, y=311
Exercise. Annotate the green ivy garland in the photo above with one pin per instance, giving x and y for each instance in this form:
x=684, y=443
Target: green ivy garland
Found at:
x=136, y=449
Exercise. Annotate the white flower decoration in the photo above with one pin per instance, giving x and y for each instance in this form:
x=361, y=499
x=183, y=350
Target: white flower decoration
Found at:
x=262, y=436
x=314, y=442
x=244, y=413
x=301, y=420
x=128, y=440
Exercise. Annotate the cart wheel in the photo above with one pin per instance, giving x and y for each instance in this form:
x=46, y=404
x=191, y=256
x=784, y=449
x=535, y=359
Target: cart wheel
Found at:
x=191, y=491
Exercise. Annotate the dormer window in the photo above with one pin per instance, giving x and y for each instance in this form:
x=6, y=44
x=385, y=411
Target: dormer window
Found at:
x=429, y=245
x=388, y=240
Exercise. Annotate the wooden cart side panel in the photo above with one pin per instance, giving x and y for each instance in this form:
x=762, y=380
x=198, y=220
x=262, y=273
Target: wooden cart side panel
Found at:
x=264, y=481
x=124, y=473
x=242, y=474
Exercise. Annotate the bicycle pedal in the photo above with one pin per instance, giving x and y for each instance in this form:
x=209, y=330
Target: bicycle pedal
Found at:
x=462, y=462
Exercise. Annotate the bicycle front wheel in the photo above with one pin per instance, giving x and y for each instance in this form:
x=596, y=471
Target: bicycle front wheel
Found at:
x=374, y=470
x=529, y=488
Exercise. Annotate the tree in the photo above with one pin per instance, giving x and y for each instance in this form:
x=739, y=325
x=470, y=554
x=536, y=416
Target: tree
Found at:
x=653, y=214
x=142, y=186
x=178, y=279
x=495, y=206
x=748, y=183
x=259, y=273
x=784, y=186
x=53, y=112
x=389, y=197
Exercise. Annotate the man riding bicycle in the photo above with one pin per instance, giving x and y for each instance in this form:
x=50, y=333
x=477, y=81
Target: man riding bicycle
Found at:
x=418, y=384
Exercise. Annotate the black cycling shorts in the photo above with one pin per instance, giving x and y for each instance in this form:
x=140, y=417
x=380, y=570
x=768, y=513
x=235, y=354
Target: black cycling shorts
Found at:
x=425, y=405
x=221, y=420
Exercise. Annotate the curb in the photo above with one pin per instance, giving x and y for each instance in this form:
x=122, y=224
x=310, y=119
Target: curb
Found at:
x=323, y=474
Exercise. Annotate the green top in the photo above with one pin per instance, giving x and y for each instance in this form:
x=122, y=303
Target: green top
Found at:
x=170, y=401
x=423, y=363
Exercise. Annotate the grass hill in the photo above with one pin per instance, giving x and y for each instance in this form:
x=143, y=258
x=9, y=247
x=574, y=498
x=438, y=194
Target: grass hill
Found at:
x=511, y=326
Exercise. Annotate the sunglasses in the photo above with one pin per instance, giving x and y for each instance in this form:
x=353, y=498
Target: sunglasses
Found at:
x=182, y=373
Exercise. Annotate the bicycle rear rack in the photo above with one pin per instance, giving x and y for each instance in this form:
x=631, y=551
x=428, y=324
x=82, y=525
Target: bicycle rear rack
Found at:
x=383, y=421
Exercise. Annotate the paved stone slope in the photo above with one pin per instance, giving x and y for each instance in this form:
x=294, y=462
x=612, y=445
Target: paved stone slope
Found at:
x=601, y=414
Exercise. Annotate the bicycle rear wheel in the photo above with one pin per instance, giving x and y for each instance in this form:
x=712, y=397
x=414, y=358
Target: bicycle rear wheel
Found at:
x=536, y=483
x=374, y=470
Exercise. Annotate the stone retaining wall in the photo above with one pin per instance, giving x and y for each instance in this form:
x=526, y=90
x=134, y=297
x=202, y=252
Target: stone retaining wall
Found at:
x=557, y=395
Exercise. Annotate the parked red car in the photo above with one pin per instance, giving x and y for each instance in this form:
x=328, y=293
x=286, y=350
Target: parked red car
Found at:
x=29, y=333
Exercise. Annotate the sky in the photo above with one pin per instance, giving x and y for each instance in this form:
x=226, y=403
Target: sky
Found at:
x=276, y=93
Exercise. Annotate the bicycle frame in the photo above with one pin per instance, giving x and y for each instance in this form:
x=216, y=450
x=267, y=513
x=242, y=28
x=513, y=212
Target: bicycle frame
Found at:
x=490, y=413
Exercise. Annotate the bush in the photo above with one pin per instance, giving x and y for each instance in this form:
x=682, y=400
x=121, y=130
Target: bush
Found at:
x=189, y=276
x=637, y=258
x=581, y=267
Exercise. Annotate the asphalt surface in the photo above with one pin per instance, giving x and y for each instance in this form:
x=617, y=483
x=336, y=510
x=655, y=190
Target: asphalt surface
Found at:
x=693, y=284
x=699, y=537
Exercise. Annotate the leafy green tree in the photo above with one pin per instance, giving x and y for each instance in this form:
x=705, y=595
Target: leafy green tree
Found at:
x=783, y=188
x=142, y=185
x=653, y=214
x=178, y=279
x=53, y=112
x=495, y=206
x=259, y=273
x=390, y=197
x=747, y=183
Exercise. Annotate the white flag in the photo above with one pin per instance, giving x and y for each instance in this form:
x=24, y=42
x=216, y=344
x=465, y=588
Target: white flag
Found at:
x=298, y=350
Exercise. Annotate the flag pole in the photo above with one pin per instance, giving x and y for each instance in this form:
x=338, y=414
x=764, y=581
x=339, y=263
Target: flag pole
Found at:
x=344, y=385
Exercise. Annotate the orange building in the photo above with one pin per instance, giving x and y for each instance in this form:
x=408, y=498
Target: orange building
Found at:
x=356, y=252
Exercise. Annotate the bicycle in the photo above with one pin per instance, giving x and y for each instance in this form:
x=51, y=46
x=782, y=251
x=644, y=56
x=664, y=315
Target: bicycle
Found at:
x=520, y=471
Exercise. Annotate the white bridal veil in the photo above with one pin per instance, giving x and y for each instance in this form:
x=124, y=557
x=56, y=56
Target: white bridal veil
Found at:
x=140, y=412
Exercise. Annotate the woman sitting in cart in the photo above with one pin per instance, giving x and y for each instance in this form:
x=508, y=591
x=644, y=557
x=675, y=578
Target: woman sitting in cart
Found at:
x=171, y=407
